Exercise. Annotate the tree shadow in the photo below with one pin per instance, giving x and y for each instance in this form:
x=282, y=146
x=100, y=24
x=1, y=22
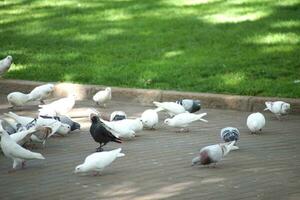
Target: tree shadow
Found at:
x=210, y=47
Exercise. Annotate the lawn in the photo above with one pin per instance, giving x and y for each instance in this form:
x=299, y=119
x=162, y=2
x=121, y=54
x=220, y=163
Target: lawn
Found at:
x=247, y=47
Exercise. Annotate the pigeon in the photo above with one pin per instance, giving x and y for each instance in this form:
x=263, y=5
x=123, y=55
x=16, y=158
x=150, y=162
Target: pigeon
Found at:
x=278, y=108
x=7, y=126
x=121, y=129
x=40, y=93
x=23, y=136
x=56, y=126
x=14, y=151
x=61, y=106
x=118, y=115
x=190, y=105
x=18, y=98
x=182, y=120
x=100, y=134
x=171, y=108
x=149, y=118
x=65, y=120
x=41, y=135
x=5, y=64
x=19, y=119
x=213, y=153
x=96, y=162
x=255, y=122
x=229, y=134
x=103, y=96
x=134, y=124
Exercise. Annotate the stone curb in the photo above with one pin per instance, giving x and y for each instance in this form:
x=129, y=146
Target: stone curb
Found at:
x=146, y=97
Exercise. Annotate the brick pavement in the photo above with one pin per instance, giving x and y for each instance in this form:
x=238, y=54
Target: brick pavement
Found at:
x=157, y=163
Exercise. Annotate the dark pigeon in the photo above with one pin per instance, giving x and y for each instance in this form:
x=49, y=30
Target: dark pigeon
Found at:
x=229, y=134
x=190, y=105
x=100, y=134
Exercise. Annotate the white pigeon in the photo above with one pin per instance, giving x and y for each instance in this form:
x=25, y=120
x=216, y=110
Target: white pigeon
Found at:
x=41, y=92
x=135, y=124
x=14, y=151
x=278, y=107
x=149, y=118
x=20, y=119
x=96, y=162
x=118, y=115
x=102, y=96
x=56, y=126
x=255, y=122
x=213, y=153
x=61, y=106
x=18, y=98
x=5, y=64
x=120, y=128
x=171, y=108
x=182, y=120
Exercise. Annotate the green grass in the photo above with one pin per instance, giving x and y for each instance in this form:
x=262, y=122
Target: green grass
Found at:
x=235, y=47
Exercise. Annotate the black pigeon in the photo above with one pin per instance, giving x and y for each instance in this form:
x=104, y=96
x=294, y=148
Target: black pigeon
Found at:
x=101, y=134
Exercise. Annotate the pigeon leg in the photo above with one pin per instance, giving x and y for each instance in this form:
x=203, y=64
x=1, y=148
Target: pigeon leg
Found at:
x=183, y=130
x=96, y=173
x=23, y=164
x=99, y=149
x=278, y=117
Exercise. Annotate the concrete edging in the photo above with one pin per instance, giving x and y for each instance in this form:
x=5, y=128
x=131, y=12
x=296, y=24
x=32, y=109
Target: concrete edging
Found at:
x=146, y=97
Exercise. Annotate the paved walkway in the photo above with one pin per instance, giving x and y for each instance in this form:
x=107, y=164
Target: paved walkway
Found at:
x=157, y=163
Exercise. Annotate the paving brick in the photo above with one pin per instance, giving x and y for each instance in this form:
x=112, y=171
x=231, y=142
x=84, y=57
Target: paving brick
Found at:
x=157, y=163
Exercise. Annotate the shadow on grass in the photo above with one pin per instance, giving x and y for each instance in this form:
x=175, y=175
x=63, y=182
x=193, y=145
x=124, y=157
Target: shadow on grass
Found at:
x=249, y=48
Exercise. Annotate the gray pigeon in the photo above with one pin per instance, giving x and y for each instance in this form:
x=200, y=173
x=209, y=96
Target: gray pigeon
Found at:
x=213, y=153
x=190, y=105
x=65, y=120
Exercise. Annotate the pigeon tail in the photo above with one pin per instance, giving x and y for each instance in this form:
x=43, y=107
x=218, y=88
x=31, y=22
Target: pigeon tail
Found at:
x=268, y=105
x=120, y=155
x=158, y=104
x=158, y=109
x=11, y=115
x=230, y=147
x=38, y=156
x=117, y=140
x=202, y=115
x=233, y=148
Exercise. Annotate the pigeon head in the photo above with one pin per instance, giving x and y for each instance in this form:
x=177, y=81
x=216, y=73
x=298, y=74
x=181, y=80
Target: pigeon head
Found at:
x=9, y=57
x=286, y=107
x=196, y=160
x=108, y=89
x=168, y=121
x=64, y=128
x=78, y=169
x=204, y=158
x=94, y=117
x=10, y=96
x=75, y=126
